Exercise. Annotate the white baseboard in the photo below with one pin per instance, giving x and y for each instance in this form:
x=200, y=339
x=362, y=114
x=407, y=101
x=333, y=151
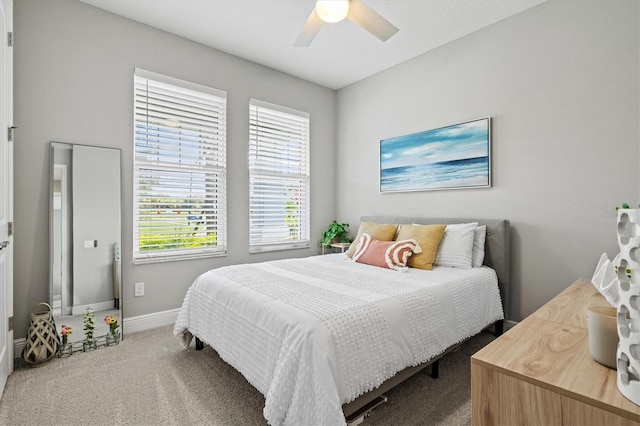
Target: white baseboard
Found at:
x=129, y=325
x=148, y=321
x=18, y=346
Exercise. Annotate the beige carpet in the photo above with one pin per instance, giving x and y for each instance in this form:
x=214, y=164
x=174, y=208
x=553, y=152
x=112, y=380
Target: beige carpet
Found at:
x=149, y=380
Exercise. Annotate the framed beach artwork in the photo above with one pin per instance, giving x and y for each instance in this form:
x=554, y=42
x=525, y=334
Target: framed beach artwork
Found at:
x=451, y=157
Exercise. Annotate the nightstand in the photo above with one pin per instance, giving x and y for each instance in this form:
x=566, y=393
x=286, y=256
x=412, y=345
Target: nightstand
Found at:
x=336, y=246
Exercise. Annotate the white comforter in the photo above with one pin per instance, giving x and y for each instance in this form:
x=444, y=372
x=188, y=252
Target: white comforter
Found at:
x=312, y=334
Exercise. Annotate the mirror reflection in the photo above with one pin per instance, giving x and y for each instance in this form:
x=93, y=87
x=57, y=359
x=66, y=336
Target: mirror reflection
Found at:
x=85, y=237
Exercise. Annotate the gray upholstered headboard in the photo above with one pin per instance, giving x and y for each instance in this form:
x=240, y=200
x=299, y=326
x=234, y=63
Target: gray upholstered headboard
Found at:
x=497, y=245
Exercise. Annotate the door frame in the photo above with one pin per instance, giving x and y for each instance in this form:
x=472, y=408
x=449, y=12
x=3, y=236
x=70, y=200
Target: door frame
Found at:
x=6, y=109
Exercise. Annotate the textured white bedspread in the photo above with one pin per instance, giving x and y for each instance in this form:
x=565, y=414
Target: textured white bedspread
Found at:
x=312, y=334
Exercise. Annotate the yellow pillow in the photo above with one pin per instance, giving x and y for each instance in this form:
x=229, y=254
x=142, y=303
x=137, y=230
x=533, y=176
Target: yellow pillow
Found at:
x=429, y=237
x=376, y=230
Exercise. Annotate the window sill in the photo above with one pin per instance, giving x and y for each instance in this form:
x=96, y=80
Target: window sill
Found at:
x=177, y=257
x=278, y=247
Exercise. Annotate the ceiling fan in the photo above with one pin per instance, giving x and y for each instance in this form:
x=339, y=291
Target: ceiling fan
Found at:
x=330, y=11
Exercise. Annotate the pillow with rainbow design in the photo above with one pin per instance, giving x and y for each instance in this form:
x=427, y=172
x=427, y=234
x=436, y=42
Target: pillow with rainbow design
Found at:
x=385, y=254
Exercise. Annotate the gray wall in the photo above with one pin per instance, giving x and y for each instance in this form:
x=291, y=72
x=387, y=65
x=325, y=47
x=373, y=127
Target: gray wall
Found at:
x=74, y=83
x=560, y=82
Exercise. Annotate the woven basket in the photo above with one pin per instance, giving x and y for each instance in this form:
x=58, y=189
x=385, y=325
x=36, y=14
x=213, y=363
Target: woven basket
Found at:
x=42, y=338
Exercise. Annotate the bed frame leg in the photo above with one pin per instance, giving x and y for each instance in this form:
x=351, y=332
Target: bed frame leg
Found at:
x=199, y=344
x=358, y=417
x=435, y=369
x=499, y=325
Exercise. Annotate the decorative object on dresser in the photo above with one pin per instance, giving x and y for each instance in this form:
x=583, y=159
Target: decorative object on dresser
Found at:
x=628, y=355
x=603, y=334
x=451, y=157
x=605, y=278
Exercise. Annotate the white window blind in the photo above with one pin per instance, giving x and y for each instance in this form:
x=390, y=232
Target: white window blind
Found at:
x=278, y=177
x=179, y=177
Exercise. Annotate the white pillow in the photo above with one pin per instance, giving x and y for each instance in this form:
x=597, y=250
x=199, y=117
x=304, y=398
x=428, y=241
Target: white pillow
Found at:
x=456, y=247
x=477, y=255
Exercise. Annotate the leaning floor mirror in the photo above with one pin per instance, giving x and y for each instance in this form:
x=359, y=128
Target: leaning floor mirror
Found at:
x=85, y=241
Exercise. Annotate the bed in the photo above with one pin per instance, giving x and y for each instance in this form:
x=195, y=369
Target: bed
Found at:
x=321, y=337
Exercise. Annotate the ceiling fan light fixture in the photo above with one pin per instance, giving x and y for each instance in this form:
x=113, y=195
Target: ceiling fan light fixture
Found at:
x=331, y=11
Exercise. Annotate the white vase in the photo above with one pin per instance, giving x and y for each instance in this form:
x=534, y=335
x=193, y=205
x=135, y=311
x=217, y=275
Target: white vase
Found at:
x=628, y=316
x=603, y=334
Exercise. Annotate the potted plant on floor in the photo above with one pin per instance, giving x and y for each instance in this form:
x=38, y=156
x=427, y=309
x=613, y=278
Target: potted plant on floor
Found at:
x=89, y=327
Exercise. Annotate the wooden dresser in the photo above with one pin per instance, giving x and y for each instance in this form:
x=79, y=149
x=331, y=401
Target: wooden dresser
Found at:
x=541, y=373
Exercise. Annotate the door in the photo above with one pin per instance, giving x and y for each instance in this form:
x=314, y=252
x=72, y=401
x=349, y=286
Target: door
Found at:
x=6, y=192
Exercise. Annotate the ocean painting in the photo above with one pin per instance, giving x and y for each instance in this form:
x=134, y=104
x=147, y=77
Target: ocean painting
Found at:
x=452, y=157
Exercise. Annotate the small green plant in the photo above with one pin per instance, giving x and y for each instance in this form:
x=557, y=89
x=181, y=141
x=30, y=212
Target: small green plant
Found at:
x=336, y=232
x=624, y=206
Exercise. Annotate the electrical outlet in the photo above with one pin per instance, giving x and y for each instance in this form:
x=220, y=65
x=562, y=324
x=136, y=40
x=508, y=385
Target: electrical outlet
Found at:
x=138, y=289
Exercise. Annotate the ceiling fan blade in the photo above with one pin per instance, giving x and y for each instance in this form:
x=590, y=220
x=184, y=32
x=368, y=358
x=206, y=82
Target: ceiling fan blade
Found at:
x=370, y=20
x=310, y=29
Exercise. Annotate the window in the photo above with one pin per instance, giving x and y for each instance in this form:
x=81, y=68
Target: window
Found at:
x=179, y=176
x=278, y=177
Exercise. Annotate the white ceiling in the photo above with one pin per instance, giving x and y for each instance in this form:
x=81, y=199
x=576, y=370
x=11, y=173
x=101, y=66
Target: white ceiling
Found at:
x=263, y=31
